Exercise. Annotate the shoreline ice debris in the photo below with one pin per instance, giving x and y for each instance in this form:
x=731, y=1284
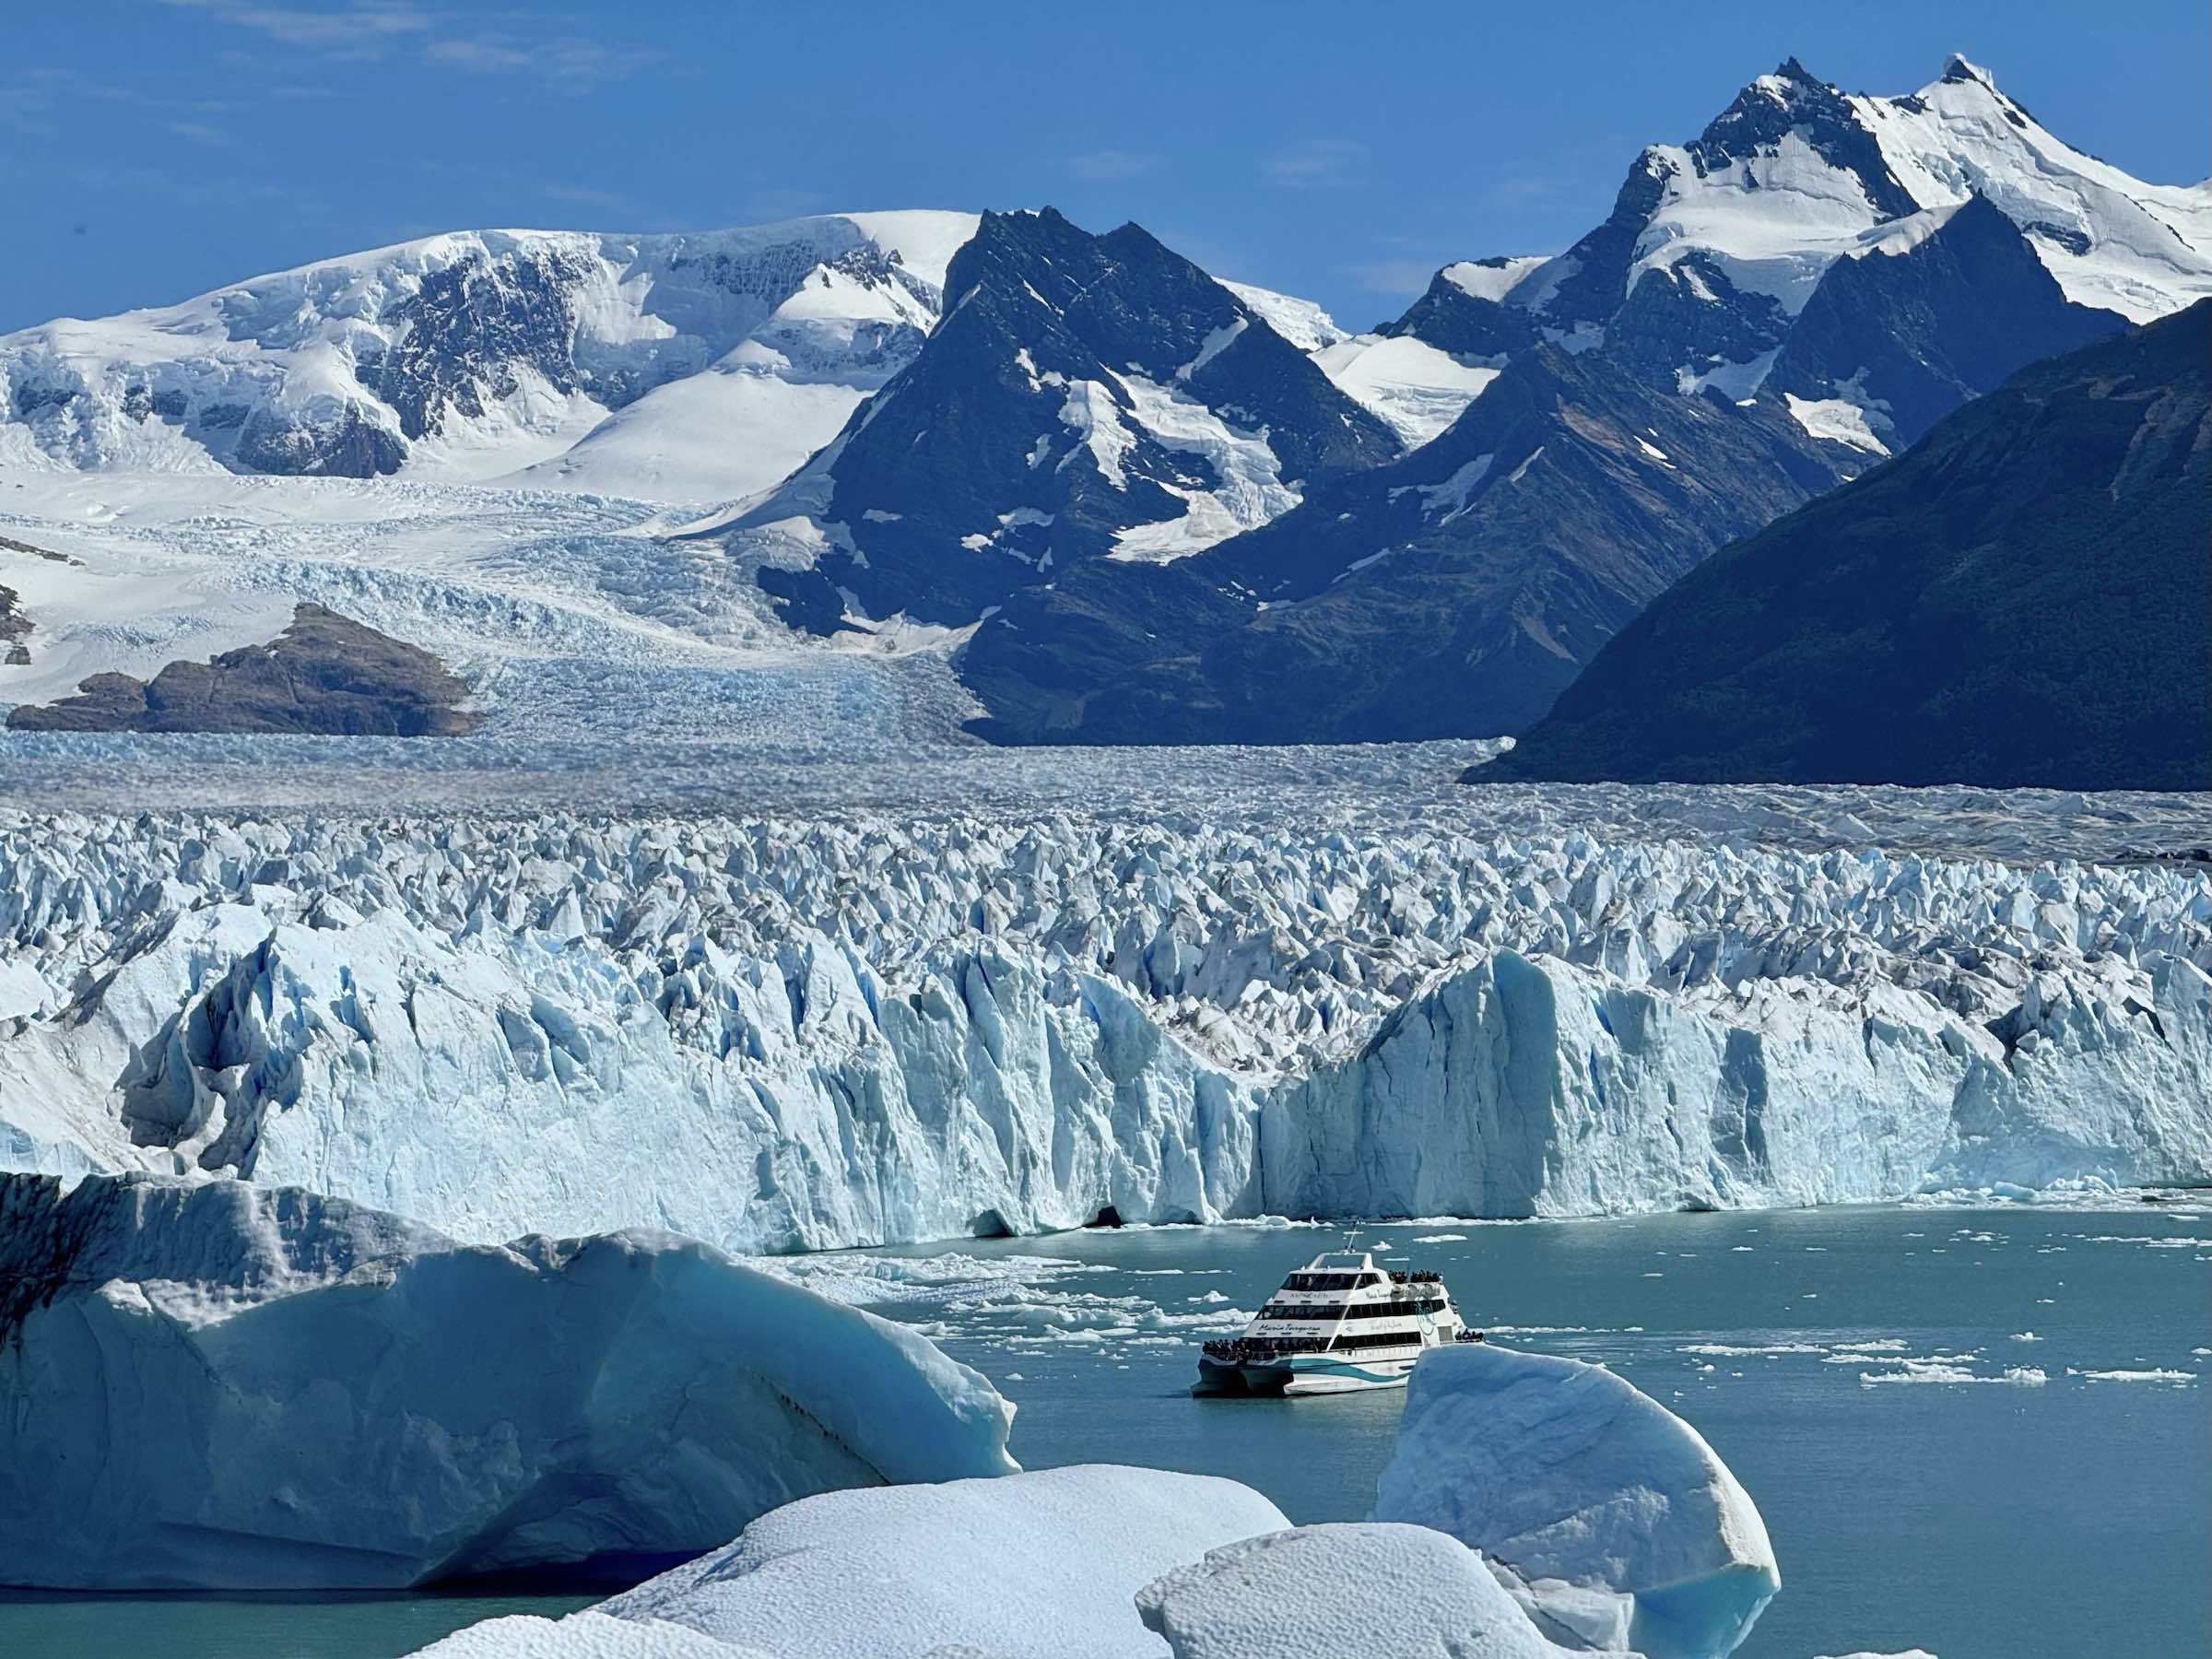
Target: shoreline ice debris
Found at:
x=1049, y=1562
x=783, y=1035
x=1619, y=1525
x=214, y=1384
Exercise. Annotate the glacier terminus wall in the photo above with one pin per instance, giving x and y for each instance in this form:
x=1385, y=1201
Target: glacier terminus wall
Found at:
x=867, y=1028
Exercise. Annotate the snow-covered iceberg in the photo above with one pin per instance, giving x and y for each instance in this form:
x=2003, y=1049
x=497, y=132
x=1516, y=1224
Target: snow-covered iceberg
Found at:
x=1619, y=1524
x=776, y=1035
x=1044, y=1563
x=1533, y=1508
x=1374, y=1591
x=215, y=1384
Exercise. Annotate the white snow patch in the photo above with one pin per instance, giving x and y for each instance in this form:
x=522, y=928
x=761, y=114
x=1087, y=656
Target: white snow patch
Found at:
x=1837, y=419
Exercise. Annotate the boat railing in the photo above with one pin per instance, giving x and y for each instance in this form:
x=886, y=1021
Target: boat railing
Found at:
x=1416, y=1276
x=1242, y=1350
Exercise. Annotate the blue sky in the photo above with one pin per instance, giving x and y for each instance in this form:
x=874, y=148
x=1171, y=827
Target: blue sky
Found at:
x=150, y=149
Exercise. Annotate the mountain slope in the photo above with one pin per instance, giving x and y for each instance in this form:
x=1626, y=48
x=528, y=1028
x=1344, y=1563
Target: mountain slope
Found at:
x=1945, y=307
x=1457, y=590
x=731, y=355
x=2023, y=599
x=1085, y=398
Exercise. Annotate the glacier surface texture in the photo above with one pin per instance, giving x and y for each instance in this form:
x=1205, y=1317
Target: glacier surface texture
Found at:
x=781, y=1034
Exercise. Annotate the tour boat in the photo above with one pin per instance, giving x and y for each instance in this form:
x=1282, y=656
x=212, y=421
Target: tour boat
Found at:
x=1339, y=1324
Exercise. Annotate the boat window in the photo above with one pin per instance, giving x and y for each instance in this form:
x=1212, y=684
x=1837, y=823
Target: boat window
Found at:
x=1322, y=1281
x=1388, y=1310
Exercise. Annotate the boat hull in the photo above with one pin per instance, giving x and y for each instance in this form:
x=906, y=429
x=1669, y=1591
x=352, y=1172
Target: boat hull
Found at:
x=1300, y=1374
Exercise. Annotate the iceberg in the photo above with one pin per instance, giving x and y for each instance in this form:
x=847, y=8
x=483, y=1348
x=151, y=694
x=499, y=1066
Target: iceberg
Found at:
x=1533, y=1508
x=213, y=1383
x=1377, y=1590
x=1620, y=1525
x=1048, y=1562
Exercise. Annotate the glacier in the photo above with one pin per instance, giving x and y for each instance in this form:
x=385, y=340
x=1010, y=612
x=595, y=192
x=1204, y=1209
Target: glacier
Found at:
x=1620, y=1527
x=212, y=1383
x=863, y=1029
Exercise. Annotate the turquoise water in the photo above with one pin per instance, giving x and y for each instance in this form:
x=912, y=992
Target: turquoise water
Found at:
x=1984, y=1520
x=39, y=1625
x=1978, y=1519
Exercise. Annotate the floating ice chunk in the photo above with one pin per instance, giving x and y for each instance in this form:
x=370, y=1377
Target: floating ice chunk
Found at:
x=1379, y=1588
x=224, y=1385
x=1561, y=1471
x=2139, y=1376
x=1951, y=1370
x=1047, y=1563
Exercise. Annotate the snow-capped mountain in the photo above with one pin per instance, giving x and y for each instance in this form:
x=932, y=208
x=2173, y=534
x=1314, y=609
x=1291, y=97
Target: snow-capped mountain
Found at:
x=690, y=367
x=1456, y=589
x=1085, y=398
x=1714, y=247
x=1072, y=476
x=1802, y=290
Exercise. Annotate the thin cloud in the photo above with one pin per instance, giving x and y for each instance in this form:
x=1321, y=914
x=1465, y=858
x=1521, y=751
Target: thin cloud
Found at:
x=364, y=23
x=1316, y=161
x=570, y=58
x=1394, y=277
x=445, y=38
x=198, y=132
x=1098, y=166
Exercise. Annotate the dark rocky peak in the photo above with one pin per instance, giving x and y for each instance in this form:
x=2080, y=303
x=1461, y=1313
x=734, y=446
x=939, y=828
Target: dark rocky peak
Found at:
x=1911, y=335
x=2020, y=600
x=1465, y=324
x=1134, y=303
x=1048, y=414
x=1593, y=276
x=1790, y=101
x=1690, y=314
x=470, y=325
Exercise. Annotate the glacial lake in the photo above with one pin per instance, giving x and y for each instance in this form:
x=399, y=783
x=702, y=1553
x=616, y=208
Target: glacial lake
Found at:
x=1866, y=1373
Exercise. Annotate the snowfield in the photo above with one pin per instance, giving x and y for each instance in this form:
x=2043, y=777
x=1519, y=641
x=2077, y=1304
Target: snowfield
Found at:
x=347, y=1398
x=868, y=1028
x=573, y=356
